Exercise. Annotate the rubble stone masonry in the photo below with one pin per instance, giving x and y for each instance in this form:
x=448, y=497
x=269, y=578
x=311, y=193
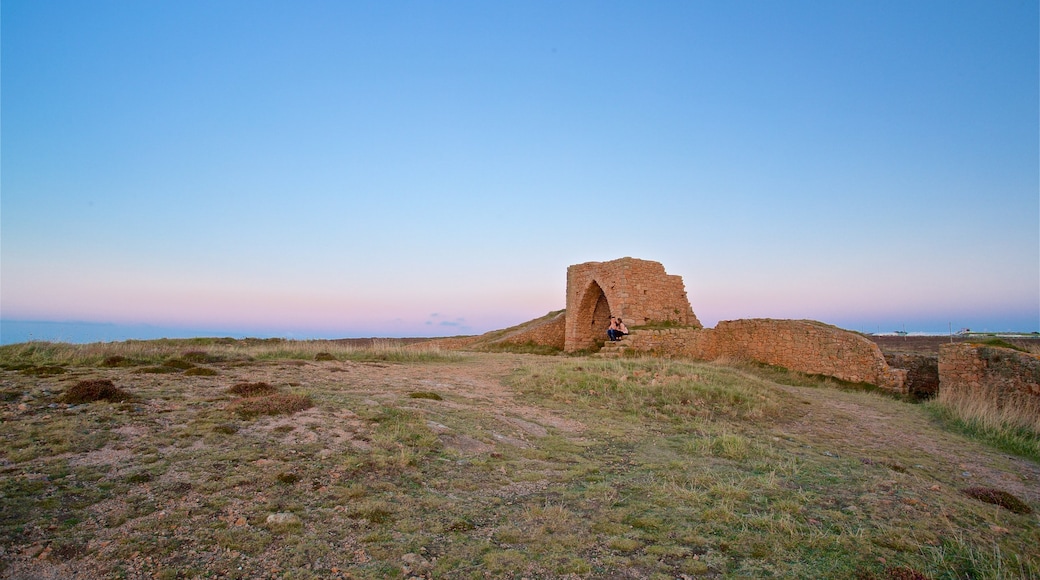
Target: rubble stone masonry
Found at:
x=1011, y=376
x=800, y=345
x=548, y=333
x=638, y=291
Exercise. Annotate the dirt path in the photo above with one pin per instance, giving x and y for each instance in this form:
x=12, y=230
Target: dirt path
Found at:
x=876, y=428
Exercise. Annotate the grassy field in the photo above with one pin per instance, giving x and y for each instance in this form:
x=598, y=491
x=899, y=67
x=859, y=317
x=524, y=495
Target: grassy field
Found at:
x=283, y=459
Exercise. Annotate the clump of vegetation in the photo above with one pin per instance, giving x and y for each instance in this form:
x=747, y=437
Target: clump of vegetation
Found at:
x=201, y=357
x=426, y=395
x=226, y=428
x=201, y=372
x=287, y=478
x=376, y=512
x=93, y=390
x=275, y=404
x=178, y=363
x=43, y=371
x=252, y=389
x=998, y=497
x=324, y=356
x=116, y=360
x=140, y=477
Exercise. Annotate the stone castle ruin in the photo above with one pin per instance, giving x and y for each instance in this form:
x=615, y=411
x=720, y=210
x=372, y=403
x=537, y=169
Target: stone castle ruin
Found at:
x=638, y=291
x=657, y=311
x=655, y=307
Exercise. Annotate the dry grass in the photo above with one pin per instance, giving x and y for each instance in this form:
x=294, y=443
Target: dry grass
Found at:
x=1010, y=423
x=273, y=404
x=492, y=466
x=251, y=389
x=211, y=350
x=993, y=409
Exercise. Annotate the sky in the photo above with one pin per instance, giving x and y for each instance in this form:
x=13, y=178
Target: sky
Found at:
x=411, y=168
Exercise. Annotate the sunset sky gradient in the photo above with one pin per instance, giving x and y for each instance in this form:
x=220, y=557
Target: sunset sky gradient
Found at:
x=338, y=169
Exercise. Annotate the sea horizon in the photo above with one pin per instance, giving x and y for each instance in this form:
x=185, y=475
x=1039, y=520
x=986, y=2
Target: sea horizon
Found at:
x=78, y=332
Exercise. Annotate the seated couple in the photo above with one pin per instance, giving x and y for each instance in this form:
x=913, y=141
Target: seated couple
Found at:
x=617, y=329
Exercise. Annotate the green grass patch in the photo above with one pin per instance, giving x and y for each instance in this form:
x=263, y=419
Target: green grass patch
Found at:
x=1011, y=438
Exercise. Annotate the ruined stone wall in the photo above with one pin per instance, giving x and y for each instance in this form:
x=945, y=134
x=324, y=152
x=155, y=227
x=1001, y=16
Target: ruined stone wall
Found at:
x=1006, y=374
x=638, y=291
x=922, y=372
x=799, y=345
x=808, y=347
x=549, y=333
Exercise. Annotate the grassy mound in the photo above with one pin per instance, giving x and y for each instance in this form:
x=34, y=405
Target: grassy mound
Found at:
x=94, y=390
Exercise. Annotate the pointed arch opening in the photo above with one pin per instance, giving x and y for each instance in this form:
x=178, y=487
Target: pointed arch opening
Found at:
x=593, y=317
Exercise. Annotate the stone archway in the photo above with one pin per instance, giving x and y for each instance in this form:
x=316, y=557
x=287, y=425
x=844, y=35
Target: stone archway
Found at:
x=639, y=291
x=592, y=317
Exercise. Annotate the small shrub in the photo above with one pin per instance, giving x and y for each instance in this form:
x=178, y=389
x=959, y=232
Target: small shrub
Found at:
x=324, y=356
x=200, y=372
x=177, y=363
x=426, y=395
x=251, y=389
x=276, y=404
x=461, y=525
x=284, y=522
x=94, y=390
x=44, y=371
x=116, y=361
x=376, y=512
x=226, y=428
x=200, y=357
x=139, y=477
x=287, y=478
x=998, y=497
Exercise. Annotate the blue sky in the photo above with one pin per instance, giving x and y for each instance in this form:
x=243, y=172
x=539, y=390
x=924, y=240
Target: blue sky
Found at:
x=419, y=168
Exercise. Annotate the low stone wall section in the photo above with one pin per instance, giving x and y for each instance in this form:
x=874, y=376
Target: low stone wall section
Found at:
x=799, y=345
x=1011, y=376
x=549, y=333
